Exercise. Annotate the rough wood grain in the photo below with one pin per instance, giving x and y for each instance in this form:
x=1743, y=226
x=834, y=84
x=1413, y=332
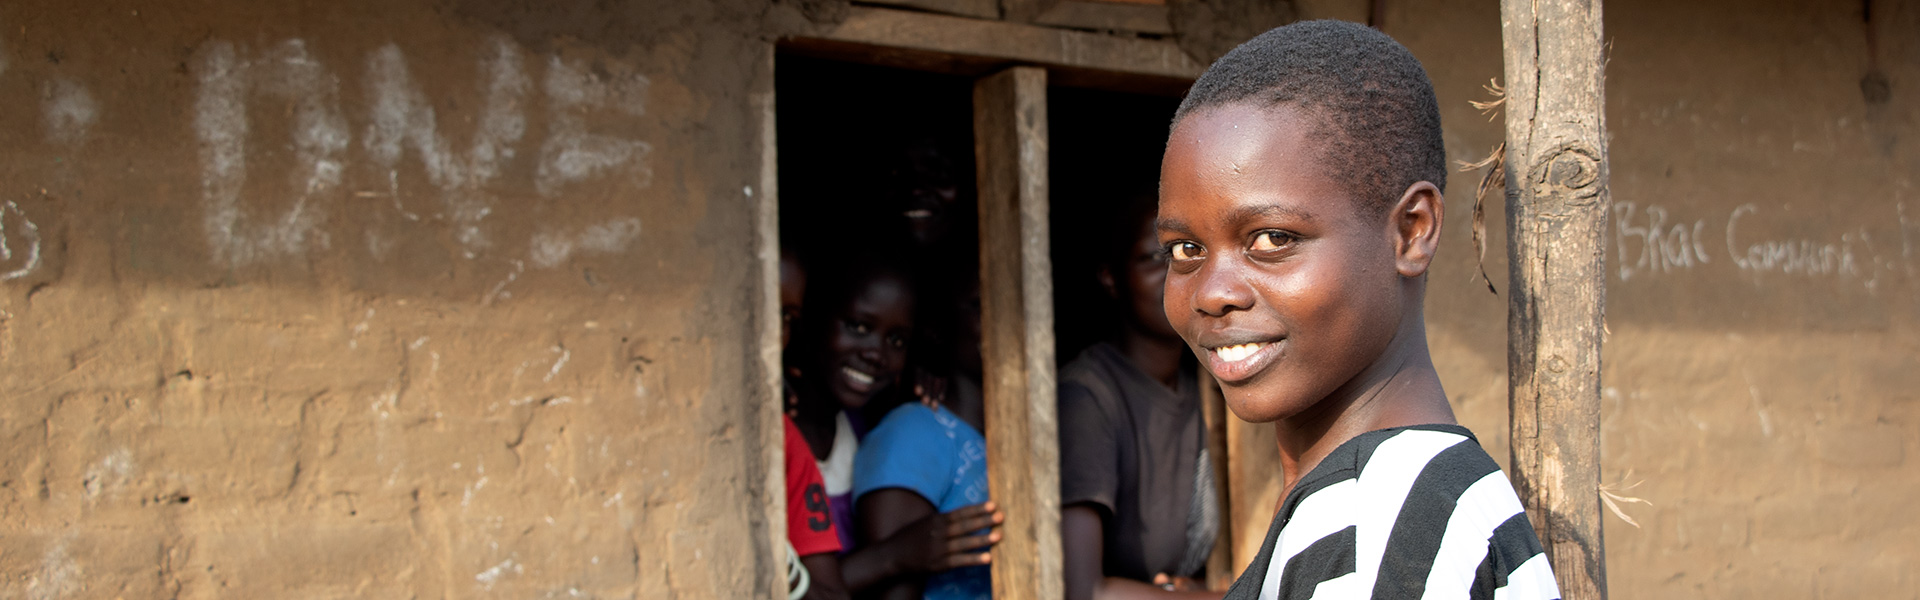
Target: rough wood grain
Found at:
x=975, y=47
x=1023, y=11
x=771, y=578
x=1016, y=282
x=981, y=9
x=1557, y=208
x=1220, y=571
x=1107, y=16
x=1253, y=476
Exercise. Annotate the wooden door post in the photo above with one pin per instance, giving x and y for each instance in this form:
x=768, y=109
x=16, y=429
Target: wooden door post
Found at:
x=1213, y=405
x=1016, y=284
x=1557, y=208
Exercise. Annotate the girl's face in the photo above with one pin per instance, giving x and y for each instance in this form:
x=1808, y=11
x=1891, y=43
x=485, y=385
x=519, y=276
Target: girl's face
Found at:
x=1284, y=290
x=867, y=340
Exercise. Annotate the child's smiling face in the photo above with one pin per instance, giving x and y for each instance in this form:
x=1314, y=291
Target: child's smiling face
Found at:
x=867, y=341
x=1281, y=284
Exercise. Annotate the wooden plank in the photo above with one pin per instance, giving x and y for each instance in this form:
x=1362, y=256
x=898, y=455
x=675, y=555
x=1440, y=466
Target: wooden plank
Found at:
x=974, y=47
x=1106, y=16
x=1220, y=571
x=981, y=9
x=1557, y=208
x=1016, y=282
x=1024, y=11
x=770, y=578
x=1253, y=471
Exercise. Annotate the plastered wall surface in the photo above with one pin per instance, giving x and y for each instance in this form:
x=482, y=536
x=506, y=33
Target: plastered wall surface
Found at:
x=458, y=298
x=381, y=299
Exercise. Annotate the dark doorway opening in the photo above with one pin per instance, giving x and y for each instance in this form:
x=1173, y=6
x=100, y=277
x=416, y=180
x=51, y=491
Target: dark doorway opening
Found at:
x=876, y=170
x=1105, y=173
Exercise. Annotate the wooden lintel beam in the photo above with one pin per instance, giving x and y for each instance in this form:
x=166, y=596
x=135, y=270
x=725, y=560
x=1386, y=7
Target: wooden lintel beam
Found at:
x=1016, y=283
x=1557, y=208
x=976, y=47
x=983, y=9
x=1108, y=16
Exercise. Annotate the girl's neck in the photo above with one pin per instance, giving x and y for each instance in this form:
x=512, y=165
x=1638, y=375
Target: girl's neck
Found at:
x=1401, y=389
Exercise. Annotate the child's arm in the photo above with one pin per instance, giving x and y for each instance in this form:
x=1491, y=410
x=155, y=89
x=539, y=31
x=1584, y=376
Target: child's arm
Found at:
x=824, y=569
x=903, y=540
x=1083, y=539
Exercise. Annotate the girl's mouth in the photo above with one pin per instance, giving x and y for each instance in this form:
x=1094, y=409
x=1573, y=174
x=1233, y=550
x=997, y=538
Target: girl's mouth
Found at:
x=1239, y=362
x=859, y=380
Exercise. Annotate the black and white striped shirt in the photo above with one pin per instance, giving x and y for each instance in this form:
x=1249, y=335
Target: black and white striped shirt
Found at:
x=1415, y=512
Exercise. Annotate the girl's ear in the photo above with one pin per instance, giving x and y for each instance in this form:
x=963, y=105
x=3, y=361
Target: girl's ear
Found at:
x=1415, y=221
x=1105, y=275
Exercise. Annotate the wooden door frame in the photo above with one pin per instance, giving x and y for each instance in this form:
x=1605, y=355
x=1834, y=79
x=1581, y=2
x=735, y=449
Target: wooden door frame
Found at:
x=1011, y=63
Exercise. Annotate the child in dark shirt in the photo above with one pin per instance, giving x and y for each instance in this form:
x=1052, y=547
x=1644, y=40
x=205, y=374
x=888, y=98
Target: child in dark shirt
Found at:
x=1300, y=208
x=1138, y=503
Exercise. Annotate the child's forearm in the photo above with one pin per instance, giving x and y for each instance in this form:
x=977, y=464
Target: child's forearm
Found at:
x=867, y=567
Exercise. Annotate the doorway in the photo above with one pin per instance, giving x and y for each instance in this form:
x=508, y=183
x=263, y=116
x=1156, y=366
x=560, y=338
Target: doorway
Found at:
x=979, y=179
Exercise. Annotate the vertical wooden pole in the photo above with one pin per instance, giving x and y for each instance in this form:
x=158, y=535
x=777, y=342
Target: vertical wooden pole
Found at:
x=1016, y=283
x=1213, y=405
x=1557, y=208
x=1253, y=457
x=766, y=404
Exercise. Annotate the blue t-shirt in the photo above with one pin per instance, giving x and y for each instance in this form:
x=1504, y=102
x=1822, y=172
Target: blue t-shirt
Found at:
x=930, y=452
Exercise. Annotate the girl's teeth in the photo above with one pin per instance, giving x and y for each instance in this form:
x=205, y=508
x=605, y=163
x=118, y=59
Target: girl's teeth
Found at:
x=857, y=377
x=1237, y=353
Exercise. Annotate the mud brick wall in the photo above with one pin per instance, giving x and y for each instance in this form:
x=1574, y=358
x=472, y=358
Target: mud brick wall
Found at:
x=381, y=299
x=464, y=298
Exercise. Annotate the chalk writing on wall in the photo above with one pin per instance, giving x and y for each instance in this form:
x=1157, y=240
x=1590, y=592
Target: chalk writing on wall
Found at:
x=1652, y=245
x=549, y=249
x=68, y=110
x=227, y=81
x=402, y=116
x=402, y=131
x=1650, y=242
x=19, y=243
x=573, y=154
x=1802, y=256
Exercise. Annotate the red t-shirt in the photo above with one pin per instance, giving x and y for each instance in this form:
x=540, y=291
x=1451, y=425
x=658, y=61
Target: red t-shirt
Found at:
x=808, y=525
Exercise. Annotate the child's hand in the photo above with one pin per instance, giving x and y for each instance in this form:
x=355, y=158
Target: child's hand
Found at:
x=1178, y=584
x=929, y=388
x=940, y=542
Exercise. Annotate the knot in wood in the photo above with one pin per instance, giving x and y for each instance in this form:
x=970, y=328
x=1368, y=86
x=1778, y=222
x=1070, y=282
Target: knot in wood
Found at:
x=1569, y=174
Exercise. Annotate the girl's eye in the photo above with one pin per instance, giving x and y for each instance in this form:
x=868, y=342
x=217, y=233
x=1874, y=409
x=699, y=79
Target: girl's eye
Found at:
x=858, y=327
x=896, y=341
x=1267, y=241
x=1183, y=251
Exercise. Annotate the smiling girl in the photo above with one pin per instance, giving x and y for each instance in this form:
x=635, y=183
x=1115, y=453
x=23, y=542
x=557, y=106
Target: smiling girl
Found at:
x=852, y=351
x=856, y=347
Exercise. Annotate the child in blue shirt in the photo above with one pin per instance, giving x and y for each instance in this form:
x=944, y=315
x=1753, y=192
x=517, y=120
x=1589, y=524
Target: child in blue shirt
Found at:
x=927, y=458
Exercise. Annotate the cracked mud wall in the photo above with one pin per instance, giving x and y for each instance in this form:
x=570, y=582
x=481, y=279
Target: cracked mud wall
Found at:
x=381, y=299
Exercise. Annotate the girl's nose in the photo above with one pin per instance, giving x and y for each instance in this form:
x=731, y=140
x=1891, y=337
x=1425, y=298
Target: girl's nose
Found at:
x=1222, y=288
